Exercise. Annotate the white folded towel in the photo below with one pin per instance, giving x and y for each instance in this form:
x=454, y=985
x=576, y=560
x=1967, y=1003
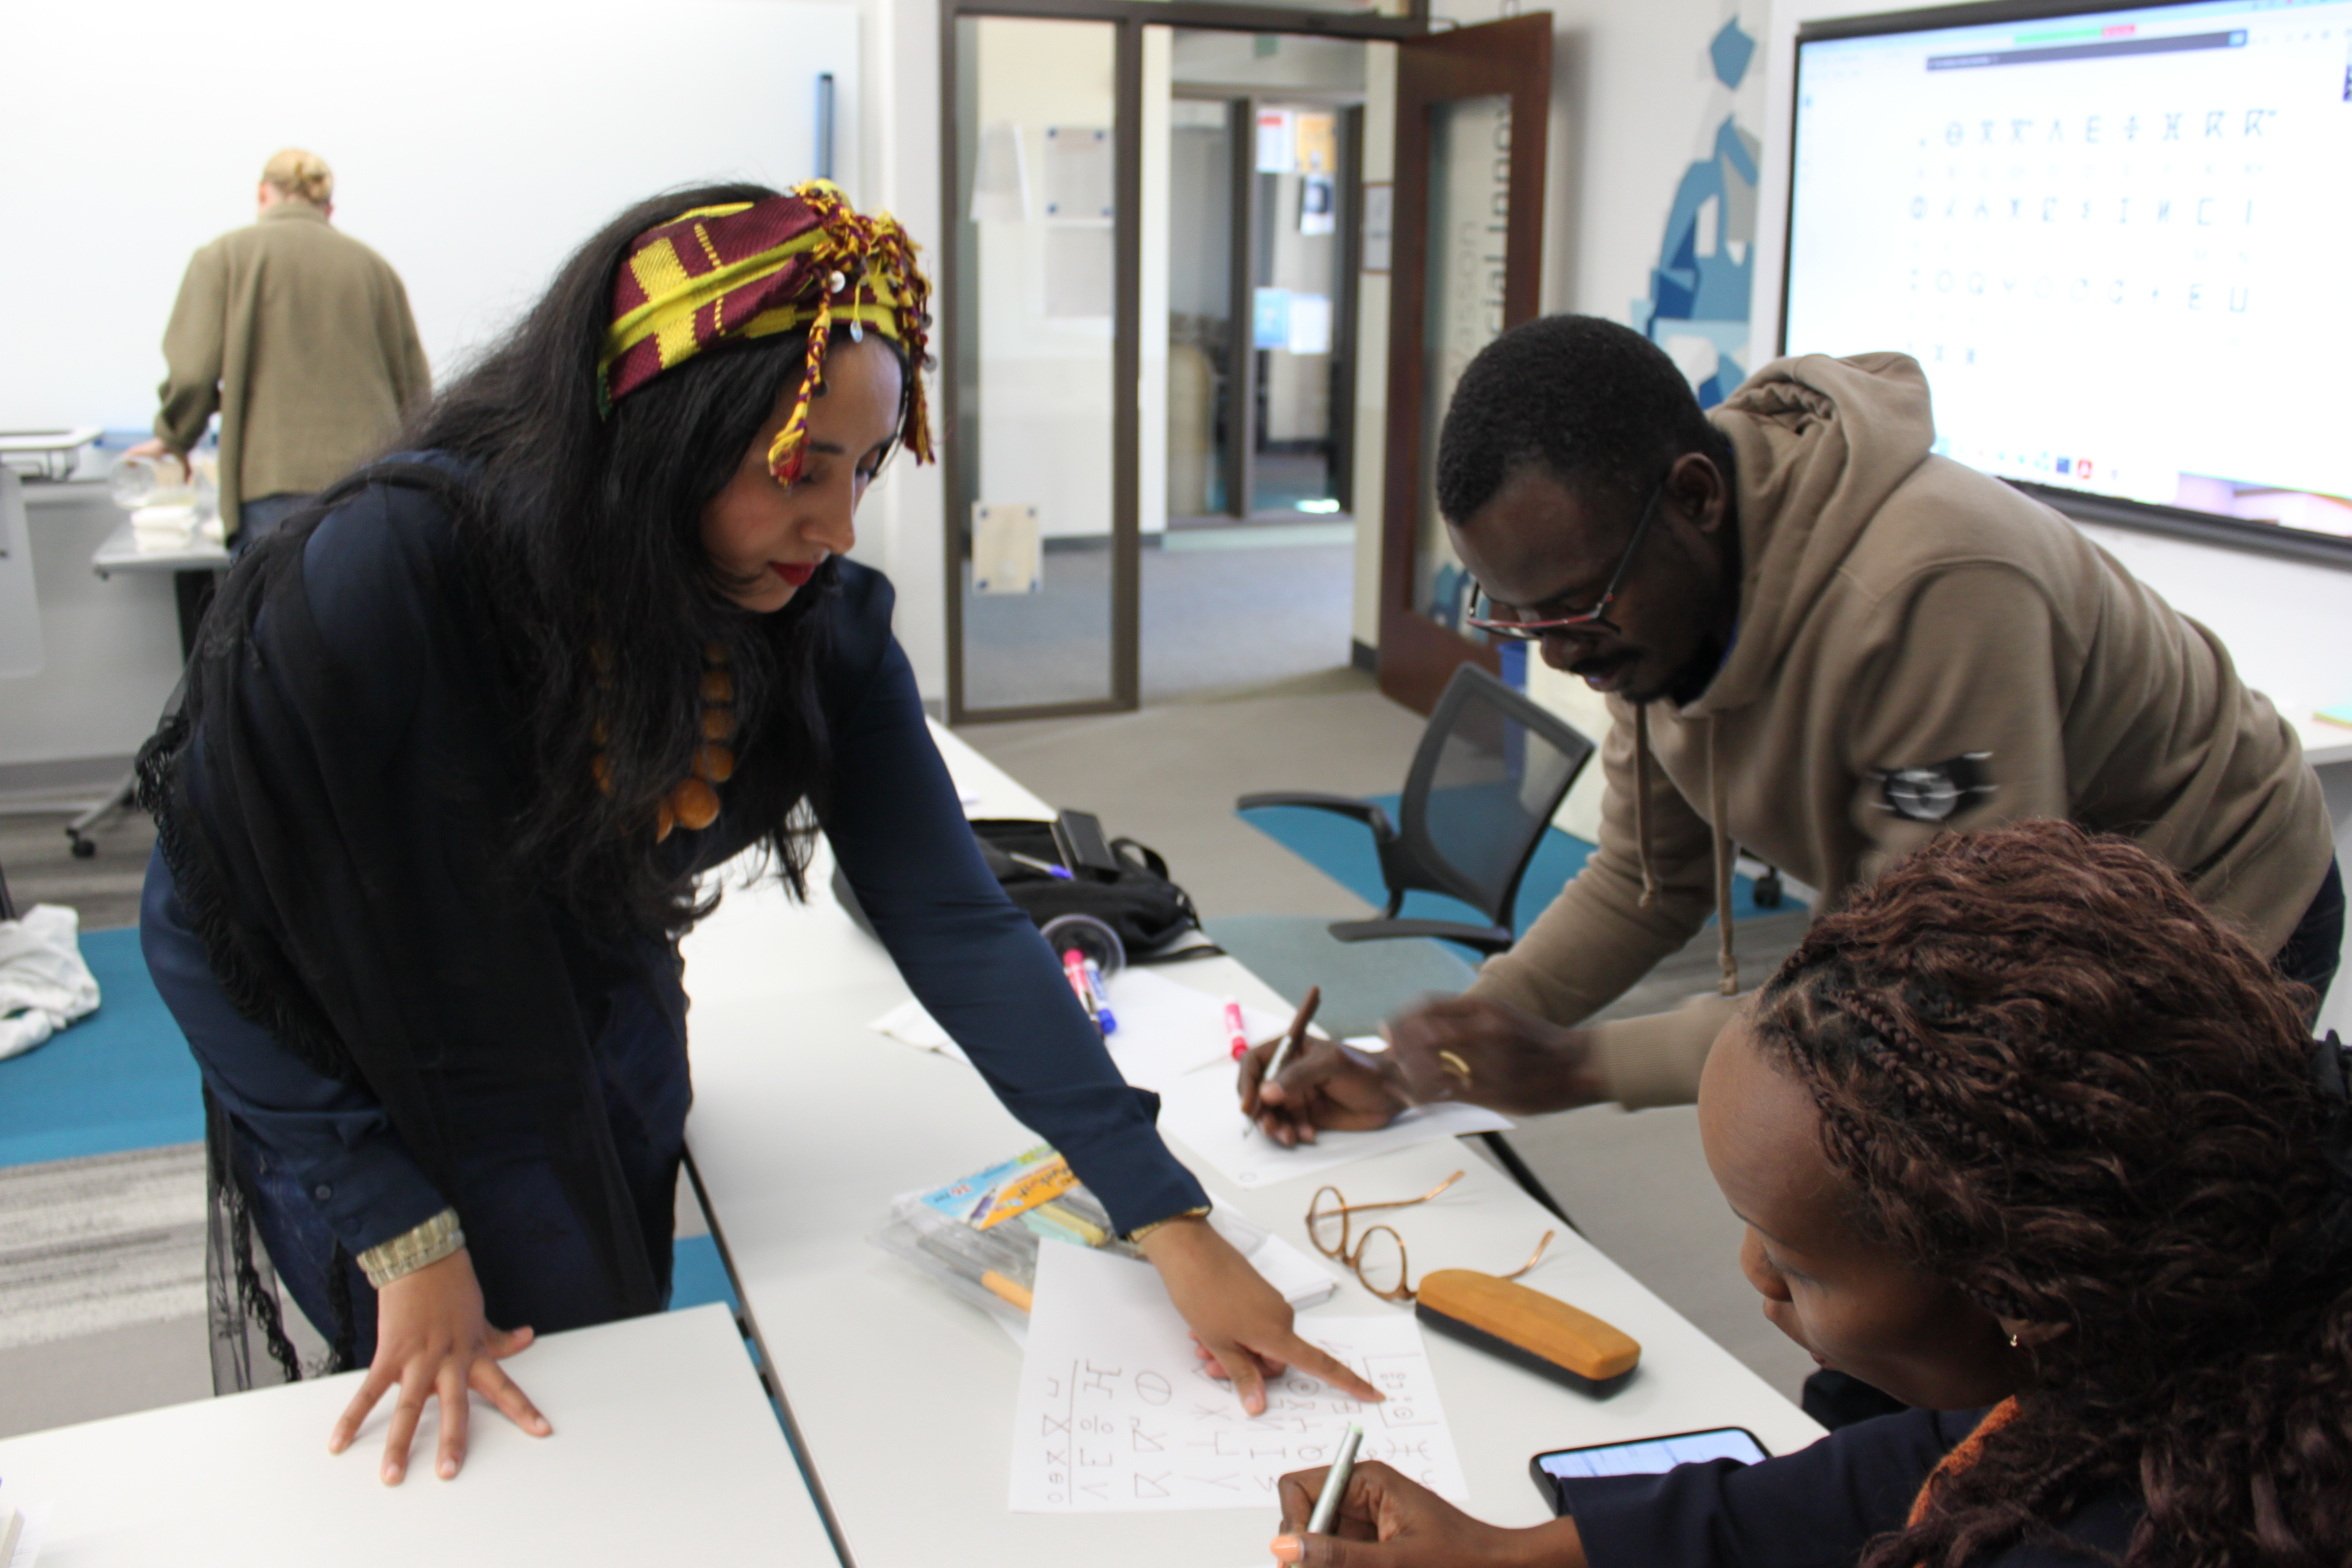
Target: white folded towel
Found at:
x=44, y=985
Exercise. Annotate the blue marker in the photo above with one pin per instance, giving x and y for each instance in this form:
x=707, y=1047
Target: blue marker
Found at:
x=1102, y=998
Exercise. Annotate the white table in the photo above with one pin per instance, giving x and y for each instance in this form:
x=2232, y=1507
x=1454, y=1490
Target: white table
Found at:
x=806, y=1123
x=121, y=553
x=665, y=1451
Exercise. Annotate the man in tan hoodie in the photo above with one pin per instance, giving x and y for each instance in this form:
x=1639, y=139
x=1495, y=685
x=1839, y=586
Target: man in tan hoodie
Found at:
x=1821, y=643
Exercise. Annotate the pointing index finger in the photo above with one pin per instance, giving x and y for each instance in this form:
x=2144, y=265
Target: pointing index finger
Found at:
x=1323, y=1364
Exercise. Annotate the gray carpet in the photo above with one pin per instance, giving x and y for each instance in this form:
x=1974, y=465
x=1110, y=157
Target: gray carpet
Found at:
x=1212, y=620
x=41, y=868
x=107, y=1242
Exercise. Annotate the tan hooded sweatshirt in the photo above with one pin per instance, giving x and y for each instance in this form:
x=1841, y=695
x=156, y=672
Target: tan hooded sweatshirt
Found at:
x=1919, y=648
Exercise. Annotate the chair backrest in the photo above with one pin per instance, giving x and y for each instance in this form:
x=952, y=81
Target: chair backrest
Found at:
x=1492, y=768
x=20, y=609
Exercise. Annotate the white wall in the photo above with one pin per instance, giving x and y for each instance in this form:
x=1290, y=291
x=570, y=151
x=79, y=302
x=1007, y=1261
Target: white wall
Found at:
x=474, y=142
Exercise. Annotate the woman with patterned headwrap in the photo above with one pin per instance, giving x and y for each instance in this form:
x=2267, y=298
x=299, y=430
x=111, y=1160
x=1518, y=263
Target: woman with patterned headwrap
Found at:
x=459, y=743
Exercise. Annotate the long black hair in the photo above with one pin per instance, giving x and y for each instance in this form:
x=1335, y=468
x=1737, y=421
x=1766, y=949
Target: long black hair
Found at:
x=585, y=526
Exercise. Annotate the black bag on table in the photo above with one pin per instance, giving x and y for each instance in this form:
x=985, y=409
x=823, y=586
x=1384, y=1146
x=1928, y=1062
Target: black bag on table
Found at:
x=1137, y=900
x=1150, y=913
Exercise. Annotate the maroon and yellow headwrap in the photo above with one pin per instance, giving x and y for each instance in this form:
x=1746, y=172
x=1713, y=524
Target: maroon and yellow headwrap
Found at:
x=802, y=261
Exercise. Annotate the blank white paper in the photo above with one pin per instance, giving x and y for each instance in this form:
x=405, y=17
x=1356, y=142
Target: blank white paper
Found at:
x=1168, y=1029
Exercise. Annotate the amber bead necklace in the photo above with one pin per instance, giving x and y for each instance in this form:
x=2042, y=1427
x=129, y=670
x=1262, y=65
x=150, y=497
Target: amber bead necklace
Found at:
x=694, y=803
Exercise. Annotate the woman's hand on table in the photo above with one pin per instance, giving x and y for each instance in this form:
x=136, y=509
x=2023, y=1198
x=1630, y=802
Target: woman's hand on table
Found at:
x=1242, y=1324
x=432, y=1338
x=1386, y=1521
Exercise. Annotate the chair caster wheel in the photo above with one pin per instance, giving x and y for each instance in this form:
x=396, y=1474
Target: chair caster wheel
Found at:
x=84, y=848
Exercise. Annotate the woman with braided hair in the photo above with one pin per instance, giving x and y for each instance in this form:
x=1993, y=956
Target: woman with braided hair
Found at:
x=2029, y=1139
x=459, y=742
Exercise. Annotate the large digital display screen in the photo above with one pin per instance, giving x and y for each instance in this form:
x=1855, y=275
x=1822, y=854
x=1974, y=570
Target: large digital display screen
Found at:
x=2116, y=240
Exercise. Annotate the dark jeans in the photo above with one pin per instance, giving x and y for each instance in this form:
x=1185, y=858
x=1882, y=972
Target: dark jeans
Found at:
x=2310, y=958
x=255, y=518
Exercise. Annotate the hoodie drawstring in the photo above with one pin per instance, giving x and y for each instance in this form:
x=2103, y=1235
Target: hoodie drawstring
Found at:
x=1715, y=813
x=1715, y=809
x=1641, y=803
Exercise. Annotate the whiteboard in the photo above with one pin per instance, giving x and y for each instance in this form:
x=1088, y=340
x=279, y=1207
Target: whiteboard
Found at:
x=474, y=145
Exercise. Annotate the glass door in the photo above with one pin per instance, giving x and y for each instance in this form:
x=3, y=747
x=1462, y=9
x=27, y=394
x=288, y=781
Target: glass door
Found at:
x=1040, y=446
x=1471, y=111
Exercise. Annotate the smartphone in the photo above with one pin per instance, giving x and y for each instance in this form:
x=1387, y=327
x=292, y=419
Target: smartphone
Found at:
x=1079, y=836
x=1643, y=1456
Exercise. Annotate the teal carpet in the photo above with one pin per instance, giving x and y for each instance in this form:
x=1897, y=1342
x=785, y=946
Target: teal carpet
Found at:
x=122, y=1079
x=1342, y=850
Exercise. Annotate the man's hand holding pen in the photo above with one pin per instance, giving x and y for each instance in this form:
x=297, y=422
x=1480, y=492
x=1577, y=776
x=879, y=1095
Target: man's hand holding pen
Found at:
x=1451, y=1048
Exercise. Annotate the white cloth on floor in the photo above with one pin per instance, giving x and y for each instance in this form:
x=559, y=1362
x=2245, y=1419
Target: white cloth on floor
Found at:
x=44, y=985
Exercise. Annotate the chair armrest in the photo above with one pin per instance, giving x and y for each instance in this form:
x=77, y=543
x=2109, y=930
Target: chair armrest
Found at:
x=1367, y=812
x=1486, y=939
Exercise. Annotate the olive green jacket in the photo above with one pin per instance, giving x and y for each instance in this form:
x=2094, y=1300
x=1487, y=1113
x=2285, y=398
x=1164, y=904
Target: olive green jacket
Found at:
x=300, y=336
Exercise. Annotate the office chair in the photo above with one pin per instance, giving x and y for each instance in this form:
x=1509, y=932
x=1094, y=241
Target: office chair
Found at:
x=1491, y=769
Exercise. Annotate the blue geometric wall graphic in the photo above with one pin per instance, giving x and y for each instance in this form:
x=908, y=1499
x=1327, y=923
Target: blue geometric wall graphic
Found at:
x=1730, y=53
x=1699, y=287
x=1736, y=148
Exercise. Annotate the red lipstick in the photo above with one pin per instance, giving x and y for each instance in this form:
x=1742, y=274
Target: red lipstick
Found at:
x=795, y=573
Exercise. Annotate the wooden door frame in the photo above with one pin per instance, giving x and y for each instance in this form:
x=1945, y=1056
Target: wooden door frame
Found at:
x=1512, y=59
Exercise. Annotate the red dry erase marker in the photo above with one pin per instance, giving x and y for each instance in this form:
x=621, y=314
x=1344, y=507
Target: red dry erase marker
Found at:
x=1236, y=1036
x=1074, y=969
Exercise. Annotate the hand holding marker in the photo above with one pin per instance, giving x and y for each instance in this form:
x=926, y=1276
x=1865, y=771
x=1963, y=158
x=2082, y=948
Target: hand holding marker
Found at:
x=1292, y=1039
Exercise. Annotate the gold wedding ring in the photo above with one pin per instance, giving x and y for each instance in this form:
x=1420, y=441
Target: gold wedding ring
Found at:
x=1452, y=1062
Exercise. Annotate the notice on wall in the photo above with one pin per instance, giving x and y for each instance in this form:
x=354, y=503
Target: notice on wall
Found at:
x=1318, y=143
x=1379, y=225
x=1116, y=1414
x=1318, y=205
x=1310, y=324
x=1277, y=141
x=1081, y=174
x=1007, y=557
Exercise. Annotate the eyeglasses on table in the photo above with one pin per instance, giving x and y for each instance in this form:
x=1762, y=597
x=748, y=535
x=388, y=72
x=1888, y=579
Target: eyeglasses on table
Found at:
x=1377, y=1252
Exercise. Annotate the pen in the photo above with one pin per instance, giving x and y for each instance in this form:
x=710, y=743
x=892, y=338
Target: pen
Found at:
x=1236, y=1036
x=1335, y=1483
x=1035, y=864
x=1102, y=998
x=1296, y=1034
x=1289, y=1041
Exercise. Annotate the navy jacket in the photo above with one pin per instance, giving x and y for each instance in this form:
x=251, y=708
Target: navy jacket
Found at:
x=1815, y=1508
x=347, y=682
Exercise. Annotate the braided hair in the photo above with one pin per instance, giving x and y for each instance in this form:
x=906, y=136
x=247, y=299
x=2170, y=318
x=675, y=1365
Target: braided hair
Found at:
x=2052, y=1078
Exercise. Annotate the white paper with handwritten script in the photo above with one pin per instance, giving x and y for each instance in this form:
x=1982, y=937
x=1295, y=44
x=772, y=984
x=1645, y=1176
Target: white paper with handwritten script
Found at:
x=1116, y=1415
